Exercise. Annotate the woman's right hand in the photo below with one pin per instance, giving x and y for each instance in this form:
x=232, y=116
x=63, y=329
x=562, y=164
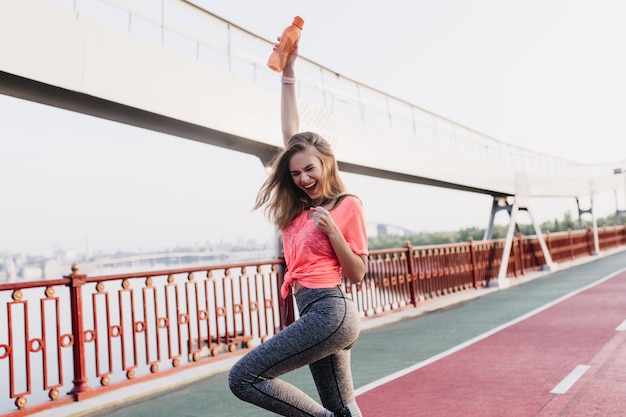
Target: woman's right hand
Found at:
x=289, y=70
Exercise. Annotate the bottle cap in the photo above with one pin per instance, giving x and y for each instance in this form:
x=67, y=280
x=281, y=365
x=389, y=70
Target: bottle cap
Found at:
x=298, y=21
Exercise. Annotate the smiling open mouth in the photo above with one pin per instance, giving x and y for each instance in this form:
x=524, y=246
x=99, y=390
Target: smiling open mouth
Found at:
x=310, y=189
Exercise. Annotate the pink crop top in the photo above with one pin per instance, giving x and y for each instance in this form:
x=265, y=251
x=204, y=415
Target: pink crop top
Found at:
x=309, y=255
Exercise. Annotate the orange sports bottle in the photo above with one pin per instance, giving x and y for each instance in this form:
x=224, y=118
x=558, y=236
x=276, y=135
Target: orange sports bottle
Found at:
x=283, y=49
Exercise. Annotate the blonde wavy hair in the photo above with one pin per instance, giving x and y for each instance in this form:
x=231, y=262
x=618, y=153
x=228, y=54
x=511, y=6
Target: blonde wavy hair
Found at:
x=285, y=201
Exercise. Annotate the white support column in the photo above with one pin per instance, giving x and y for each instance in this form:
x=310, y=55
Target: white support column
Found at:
x=503, y=281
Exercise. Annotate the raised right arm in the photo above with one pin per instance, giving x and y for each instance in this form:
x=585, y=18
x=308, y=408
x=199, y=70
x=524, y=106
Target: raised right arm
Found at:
x=289, y=117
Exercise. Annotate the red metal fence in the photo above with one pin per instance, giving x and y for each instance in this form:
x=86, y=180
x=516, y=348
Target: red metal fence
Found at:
x=79, y=336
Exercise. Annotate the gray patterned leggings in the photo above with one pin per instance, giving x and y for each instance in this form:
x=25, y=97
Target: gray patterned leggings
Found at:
x=328, y=327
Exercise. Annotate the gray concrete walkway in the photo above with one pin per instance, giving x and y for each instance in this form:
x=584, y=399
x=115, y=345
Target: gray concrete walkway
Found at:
x=387, y=345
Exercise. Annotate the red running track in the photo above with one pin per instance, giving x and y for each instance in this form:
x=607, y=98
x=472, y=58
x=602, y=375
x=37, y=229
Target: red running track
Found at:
x=514, y=371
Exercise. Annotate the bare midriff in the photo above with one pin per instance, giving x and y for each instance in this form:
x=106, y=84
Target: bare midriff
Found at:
x=296, y=286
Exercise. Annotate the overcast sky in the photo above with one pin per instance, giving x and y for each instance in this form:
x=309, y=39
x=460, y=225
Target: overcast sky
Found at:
x=547, y=75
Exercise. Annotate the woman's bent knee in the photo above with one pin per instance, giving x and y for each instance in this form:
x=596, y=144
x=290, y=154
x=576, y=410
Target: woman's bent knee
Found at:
x=237, y=381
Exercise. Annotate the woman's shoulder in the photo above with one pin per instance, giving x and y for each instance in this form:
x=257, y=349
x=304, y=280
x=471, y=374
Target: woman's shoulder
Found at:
x=347, y=200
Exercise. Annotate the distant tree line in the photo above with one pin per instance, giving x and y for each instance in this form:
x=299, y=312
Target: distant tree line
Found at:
x=435, y=238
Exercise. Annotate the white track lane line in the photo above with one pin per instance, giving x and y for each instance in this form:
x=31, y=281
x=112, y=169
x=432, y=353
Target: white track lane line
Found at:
x=567, y=382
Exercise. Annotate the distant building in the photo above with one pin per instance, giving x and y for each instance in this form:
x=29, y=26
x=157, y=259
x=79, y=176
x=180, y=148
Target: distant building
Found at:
x=8, y=269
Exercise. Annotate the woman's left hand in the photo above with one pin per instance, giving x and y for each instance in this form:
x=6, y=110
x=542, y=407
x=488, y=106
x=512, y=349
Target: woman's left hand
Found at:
x=323, y=220
x=353, y=265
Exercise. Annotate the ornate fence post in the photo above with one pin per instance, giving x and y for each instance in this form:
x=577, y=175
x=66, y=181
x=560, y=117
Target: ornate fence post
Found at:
x=81, y=388
x=590, y=242
x=472, y=264
x=520, y=253
x=549, y=244
x=412, y=273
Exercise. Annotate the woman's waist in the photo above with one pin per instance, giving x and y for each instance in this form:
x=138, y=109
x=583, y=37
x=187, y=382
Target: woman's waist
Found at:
x=306, y=297
x=315, y=281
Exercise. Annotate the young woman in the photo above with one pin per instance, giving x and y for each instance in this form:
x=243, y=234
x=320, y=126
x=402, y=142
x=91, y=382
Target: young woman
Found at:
x=323, y=231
